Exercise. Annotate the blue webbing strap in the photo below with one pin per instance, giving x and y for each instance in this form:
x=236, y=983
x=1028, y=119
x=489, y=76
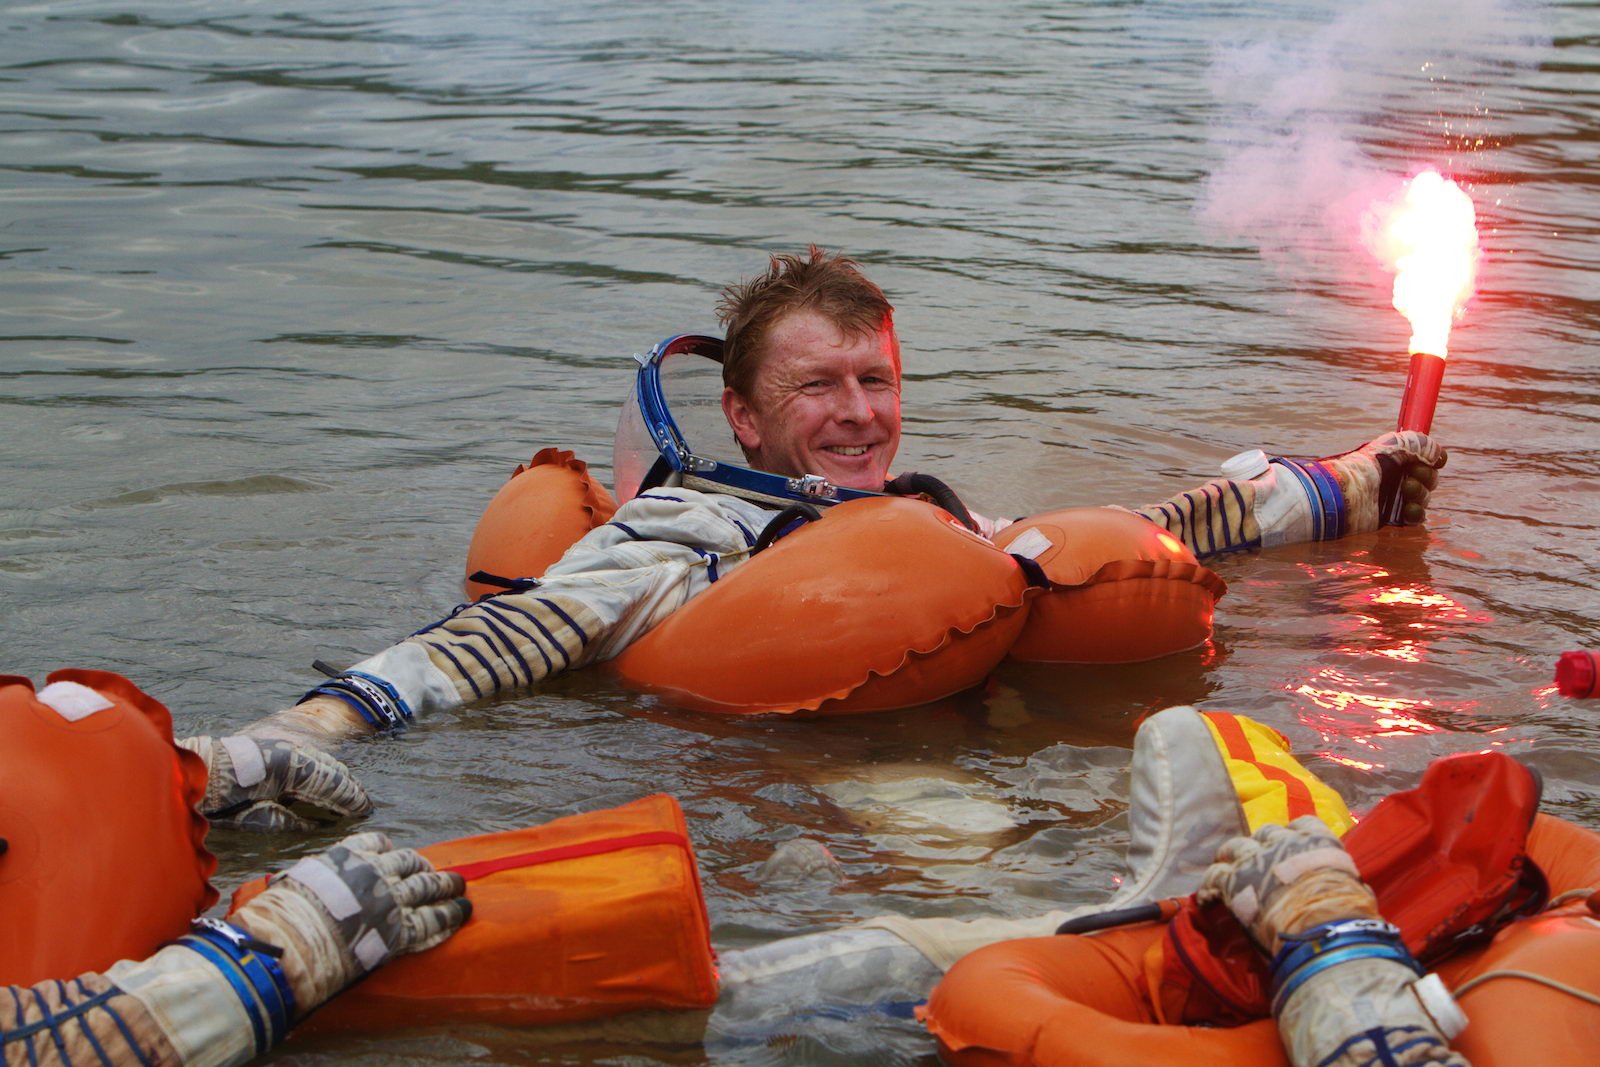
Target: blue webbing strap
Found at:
x=373, y=698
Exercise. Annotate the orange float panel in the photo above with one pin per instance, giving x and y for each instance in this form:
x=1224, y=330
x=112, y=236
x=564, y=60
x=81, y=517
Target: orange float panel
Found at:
x=586, y=916
x=1081, y=1001
x=1126, y=590
x=534, y=519
x=882, y=603
x=106, y=855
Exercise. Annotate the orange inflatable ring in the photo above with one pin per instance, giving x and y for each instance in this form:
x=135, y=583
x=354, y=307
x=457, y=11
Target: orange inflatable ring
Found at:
x=882, y=603
x=583, y=917
x=1077, y=1001
x=105, y=854
x=1125, y=589
x=896, y=610
x=534, y=518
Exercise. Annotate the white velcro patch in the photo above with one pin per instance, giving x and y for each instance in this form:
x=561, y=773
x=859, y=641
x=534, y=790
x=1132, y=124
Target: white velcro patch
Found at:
x=1030, y=544
x=1245, y=905
x=72, y=701
x=370, y=950
x=1296, y=867
x=248, y=766
x=326, y=886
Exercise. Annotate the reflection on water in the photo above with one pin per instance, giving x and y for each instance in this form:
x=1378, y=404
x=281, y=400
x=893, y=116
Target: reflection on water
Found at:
x=291, y=290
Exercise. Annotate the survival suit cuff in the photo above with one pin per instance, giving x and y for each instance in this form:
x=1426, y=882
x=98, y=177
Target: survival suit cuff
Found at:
x=1315, y=950
x=1323, y=492
x=374, y=699
x=251, y=967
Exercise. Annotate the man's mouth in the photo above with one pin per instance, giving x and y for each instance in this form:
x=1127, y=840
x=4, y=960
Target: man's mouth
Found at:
x=848, y=450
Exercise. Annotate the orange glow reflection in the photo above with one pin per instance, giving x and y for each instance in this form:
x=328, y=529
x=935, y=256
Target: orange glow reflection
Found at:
x=1405, y=652
x=1360, y=765
x=1384, y=716
x=1436, y=604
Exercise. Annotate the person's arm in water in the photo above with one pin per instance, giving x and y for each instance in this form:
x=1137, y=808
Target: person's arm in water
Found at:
x=1295, y=501
x=226, y=993
x=659, y=550
x=1346, y=991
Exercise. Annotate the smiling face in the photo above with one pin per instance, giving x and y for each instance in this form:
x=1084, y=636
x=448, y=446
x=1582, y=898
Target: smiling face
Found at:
x=823, y=402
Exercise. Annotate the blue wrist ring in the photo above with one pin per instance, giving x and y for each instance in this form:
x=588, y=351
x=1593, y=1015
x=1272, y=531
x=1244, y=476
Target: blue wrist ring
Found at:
x=252, y=969
x=1314, y=951
x=1322, y=489
x=377, y=701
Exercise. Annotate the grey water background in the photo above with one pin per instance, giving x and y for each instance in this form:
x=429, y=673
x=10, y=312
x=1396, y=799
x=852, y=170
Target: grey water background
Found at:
x=289, y=290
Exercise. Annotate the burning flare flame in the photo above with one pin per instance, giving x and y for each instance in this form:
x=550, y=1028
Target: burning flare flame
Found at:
x=1429, y=238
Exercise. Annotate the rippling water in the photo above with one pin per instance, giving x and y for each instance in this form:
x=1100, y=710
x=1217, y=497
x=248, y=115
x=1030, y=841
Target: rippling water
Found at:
x=291, y=290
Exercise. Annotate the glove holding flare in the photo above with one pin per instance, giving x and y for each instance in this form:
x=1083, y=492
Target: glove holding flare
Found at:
x=1345, y=991
x=1404, y=463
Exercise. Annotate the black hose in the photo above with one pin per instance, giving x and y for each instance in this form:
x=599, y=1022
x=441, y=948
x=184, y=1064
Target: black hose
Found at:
x=914, y=484
x=781, y=522
x=1105, y=920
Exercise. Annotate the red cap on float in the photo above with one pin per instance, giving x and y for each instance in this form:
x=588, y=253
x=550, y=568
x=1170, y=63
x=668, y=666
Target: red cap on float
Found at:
x=1577, y=674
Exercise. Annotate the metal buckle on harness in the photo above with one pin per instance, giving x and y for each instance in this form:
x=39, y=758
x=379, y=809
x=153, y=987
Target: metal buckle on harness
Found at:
x=236, y=937
x=813, y=485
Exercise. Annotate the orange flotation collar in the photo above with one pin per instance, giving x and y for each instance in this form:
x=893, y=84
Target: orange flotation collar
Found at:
x=887, y=611
x=1122, y=590
x=586, y=916
x=535, y=517
x=1449, y=864
x=1084, y=1001
x=925, y=608
x=106, y=853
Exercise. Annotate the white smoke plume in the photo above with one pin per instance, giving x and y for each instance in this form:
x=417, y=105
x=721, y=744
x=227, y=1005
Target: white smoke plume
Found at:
x=1332, y=115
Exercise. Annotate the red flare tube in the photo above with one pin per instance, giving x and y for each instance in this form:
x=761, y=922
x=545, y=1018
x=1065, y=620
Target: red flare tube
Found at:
x=1416, y=409
x=1578, y=674
x=1422, y=392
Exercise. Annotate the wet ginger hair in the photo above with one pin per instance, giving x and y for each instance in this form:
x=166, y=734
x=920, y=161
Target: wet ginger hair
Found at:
x=830, y=284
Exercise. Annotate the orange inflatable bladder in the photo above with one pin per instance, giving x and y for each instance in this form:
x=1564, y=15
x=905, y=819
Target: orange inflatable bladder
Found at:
x=534, y=519
x=1125, y=589
x=105, y=855
x=586, y=916
x=1081, y=1001
x=882, y=603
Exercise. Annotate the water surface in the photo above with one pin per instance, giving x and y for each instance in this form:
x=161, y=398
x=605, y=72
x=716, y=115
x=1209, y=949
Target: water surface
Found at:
x=290, y=290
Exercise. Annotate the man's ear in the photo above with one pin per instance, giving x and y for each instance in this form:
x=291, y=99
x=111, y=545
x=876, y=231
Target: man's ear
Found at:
x=741, y=416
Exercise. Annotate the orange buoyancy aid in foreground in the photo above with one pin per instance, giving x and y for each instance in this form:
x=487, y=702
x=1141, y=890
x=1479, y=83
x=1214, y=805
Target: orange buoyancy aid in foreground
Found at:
x=105, y=853
x=586, y=916
x=1448, y=861
x=534, y=519
x=882, y=603
x=1531, y=994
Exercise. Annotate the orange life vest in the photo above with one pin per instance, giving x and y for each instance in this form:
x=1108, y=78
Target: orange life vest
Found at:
x=1083, y=1001
x=534, y=519
x=882, y=603
x=1123, y=589
x=858, y=613
x=1447, y=860
x=586, y=916
x=105, y=855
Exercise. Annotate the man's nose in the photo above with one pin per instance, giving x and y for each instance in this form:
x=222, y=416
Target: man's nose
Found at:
x=854, y=404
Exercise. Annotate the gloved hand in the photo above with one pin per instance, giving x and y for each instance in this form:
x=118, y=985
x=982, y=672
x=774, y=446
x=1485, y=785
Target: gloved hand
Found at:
x=1404, y=464
x=339, y=914
x=251, y=781
x=1287, y=880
